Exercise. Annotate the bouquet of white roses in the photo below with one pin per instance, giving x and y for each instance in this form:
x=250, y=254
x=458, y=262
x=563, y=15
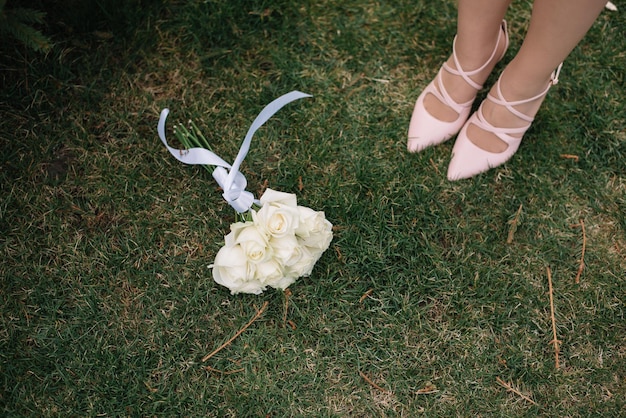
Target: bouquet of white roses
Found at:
x=275, y=241
x=281, y=243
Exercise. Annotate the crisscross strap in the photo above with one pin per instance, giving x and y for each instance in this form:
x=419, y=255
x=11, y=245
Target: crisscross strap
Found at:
x=506, y=133
x=442, y=94
x=554, y=79
x=466, y=74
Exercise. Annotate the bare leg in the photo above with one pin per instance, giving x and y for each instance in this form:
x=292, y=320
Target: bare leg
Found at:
x=556, y=27
x=478, y=28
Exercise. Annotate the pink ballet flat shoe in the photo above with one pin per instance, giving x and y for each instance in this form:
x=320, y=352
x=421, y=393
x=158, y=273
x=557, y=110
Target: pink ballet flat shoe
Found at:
x=468, y=159
x=424, y=129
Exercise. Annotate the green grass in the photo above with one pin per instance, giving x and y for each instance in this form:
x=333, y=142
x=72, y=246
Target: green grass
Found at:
x=107, y=304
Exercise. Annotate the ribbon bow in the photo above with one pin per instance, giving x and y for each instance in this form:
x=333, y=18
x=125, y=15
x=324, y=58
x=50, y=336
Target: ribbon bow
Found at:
x=229, y=178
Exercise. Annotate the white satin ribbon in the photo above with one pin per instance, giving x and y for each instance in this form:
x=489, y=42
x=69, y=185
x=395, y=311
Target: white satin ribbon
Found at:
x=229, y=178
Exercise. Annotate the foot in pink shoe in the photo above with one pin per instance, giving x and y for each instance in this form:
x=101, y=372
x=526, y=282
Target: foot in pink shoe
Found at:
x=425, y=129
x=470, y=159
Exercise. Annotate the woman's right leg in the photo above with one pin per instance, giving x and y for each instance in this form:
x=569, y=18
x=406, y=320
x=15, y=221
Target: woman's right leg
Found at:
x=443, y=106
x=478, y=28
x=494, y=133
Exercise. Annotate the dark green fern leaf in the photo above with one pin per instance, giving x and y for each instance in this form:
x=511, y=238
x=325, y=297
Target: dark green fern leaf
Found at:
x=17, y=24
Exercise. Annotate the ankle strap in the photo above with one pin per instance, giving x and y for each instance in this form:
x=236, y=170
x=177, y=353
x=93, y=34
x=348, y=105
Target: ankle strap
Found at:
x=466, y=74
x=554, y=79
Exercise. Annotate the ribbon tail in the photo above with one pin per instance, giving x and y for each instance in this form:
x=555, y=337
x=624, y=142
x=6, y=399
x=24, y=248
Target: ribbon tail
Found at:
x=228, y=177
x=267, y=112
x=189, y=156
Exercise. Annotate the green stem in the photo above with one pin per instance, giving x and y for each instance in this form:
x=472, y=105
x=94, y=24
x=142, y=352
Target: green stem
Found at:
x=200, y=137
x=195, y=139
x=189, y=140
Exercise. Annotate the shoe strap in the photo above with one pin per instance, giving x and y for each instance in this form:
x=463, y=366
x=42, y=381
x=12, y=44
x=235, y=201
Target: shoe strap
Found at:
x=459, y=71
x=506, y=134
x=554, y=79
x=442, y=94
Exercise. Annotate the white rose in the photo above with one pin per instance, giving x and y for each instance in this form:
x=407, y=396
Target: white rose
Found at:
x=269, y=272
x=229, y=240
x=231, y=269
x=314, y=230
x=286, y=249
x=304, y=264
x=280, y=198
x=284, y=283
x=277, y=219
x=253, y=241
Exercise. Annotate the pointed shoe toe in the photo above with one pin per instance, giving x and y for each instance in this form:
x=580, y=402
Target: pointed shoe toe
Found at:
x=425, y=130
x=469, y=160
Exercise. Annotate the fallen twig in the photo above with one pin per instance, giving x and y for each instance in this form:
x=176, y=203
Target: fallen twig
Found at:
x=510, y=388
x=570, y=157
x=220, y=348
x=372, y=383
x=581, y=267
x=555, y=340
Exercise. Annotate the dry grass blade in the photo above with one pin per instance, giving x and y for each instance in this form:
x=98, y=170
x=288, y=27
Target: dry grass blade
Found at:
x=581, y=267
x=223, y=373
x=510, y=388
x=287, y=294
x=555, y=340
x=365, y=295
x=514, y=222
x=429, y=388
x=435, y=167
x=372, y=383
x=220, y=348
